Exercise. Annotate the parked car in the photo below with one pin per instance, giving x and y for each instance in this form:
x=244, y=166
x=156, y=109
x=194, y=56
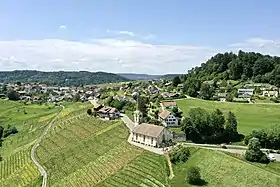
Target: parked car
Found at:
x=271, y=157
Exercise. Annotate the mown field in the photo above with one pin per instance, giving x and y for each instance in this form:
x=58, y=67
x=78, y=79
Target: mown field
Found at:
x=220, y=169
x=249, y=116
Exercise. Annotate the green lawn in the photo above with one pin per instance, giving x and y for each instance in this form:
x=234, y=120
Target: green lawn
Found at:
x=220, y=169
x=249, y=116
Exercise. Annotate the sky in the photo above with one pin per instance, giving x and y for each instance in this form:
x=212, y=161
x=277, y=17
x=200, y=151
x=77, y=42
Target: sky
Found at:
x=127, y=36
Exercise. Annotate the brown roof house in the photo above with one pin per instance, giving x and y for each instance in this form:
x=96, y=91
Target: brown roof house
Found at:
x=169, y=104
x=148, y=134
x=168, y=119
x=108, y=113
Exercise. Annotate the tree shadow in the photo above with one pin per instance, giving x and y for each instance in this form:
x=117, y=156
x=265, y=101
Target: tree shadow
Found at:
x=201, y=182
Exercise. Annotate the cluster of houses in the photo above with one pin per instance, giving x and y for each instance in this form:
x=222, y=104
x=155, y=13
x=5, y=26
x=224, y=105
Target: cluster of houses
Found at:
x=33, y=92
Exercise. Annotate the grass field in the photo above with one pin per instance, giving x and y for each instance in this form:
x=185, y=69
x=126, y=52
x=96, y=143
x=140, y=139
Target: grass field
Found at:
x=249, y=116
x=220, y=169
x=85, y=151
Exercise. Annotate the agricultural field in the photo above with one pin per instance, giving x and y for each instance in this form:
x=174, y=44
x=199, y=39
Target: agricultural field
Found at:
x=16, y=168
x=84, y=151
x=29, y=119
x=220, y=169
x=250, y=116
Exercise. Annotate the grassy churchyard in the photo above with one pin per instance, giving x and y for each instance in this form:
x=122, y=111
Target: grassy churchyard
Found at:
x=249, y=116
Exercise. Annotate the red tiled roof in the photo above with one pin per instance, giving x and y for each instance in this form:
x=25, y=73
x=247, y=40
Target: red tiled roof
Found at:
x=164, y=114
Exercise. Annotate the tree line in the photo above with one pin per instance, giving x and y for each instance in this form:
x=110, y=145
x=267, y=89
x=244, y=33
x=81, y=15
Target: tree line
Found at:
x=201, y=126
x=242, y=66
x=60, y=78
x=268, y=137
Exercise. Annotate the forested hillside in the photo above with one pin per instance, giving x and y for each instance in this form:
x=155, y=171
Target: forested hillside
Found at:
x=60, y=78
x=242, y=66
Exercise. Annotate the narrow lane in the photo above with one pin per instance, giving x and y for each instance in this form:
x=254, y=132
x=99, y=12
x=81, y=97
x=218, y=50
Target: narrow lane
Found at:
x=36, y=145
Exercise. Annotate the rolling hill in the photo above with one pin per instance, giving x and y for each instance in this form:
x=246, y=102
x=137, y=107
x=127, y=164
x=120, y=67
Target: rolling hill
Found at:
x=60, y=78
x=134, y=76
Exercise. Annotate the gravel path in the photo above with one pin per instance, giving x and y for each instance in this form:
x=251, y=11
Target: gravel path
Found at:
x=34, y=149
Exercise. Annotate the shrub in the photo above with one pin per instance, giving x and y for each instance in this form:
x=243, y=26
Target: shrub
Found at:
x=254, y=153
x=193, y=175
x=180, y=155
x=10, y=130
x=224, y=147
x=89, y=111
x=264, y=159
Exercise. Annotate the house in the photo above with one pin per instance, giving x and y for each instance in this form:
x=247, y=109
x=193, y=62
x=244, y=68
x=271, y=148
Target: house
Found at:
x=108, y=113
x=180, y=86
x=170, y=95
x=222, y=97
x=270, y=93
x=169, y=104
x=148, y=134
x=168, y=119
x=245, y=93
x=97, y=107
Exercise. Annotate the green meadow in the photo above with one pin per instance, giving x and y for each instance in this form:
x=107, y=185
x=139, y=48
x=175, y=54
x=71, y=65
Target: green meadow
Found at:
x=250, y=116
x=220, y=169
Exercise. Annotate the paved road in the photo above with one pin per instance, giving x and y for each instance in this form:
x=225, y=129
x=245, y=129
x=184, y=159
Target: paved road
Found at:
x=128, y=122
x=238, y=149
x=34, y=149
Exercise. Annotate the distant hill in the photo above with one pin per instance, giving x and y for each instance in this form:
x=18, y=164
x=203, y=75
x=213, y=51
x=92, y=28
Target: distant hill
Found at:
x=60, y=78
x=135, y=76
x=170, y=76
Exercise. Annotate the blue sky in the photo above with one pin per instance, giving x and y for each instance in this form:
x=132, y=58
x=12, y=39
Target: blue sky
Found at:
x=147, y=36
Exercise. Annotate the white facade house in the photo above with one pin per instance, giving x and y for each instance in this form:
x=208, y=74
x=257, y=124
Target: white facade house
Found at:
x=245, y=92
x=168, y=119
x=148, y=134
x=270, y=93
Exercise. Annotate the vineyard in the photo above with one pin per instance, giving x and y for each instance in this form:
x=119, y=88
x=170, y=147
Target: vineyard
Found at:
x=78, y=150
x=85, y=151
x=146, y=170
x=18, y=170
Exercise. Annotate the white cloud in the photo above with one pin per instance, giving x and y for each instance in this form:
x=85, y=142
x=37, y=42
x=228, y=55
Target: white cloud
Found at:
x=129, y=33
x=261, y=45
x=114, y=55
x=63, y=27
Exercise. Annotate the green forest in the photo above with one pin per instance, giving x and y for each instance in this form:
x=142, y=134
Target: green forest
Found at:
x=60, y=78
x=242, y=66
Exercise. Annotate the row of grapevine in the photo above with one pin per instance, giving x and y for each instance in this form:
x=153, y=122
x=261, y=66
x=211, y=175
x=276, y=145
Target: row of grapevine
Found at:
x=80, y=130
x=147, y=170
x=75, y=157
x=12, y=163
x=103, y=167
x=18, y=169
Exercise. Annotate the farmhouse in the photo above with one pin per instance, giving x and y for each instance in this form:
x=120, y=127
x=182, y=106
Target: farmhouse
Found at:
x=148, y=134
x=169, y=104
x=108, y=113
x=168, y=119
x=270, y=93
